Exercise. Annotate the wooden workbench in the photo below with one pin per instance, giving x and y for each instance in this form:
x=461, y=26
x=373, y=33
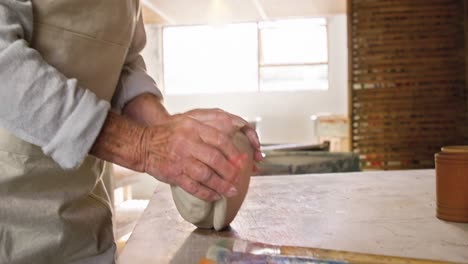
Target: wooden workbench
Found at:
x=390, y=213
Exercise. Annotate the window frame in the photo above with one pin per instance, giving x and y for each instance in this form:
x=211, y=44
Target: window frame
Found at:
x=259, y=59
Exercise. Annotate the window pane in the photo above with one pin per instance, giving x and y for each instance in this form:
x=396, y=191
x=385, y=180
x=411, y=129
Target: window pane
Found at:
x=281, y=78
x=206, y=59
x=294, y=41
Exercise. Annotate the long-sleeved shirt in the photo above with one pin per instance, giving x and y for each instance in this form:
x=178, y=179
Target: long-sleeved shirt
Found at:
x=32, y=91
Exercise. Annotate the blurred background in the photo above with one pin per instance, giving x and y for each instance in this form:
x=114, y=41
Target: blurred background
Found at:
x=330, y=85
x=276, y=63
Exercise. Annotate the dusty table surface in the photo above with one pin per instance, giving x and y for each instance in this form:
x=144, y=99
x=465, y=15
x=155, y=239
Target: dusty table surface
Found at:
x=391, y=213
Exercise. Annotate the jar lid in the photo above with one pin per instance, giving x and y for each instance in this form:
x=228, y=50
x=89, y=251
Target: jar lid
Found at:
x=455, y=149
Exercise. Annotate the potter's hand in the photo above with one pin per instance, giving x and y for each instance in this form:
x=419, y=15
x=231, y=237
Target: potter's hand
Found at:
x=148, y=110
x=192, y=155
x=183, y=151
x=229, y=124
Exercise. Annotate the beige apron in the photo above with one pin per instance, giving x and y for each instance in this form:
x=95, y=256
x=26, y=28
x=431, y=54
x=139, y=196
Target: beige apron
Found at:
x=48, y=215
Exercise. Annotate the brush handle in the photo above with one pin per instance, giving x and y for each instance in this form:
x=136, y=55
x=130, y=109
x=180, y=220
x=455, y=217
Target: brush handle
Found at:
x=206, y=261
x=351, y=257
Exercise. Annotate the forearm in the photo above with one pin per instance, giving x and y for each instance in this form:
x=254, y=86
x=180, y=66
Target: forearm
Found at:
x=120, y=142
x=146, y=109
x=38, y=104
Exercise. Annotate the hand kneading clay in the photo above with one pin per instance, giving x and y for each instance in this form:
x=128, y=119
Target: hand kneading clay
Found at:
x=219, y=214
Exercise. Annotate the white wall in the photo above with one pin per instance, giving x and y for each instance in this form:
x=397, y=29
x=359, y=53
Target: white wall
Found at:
x=285, y=115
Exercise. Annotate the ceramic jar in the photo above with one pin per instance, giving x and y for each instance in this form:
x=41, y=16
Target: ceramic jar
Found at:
x=452, y=183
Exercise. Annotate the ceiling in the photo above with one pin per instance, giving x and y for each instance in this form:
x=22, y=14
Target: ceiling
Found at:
x=187, y=12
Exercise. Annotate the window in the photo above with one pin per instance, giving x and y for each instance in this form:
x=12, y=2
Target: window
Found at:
x=293, y=55
x=246, y=57
x=205, y=59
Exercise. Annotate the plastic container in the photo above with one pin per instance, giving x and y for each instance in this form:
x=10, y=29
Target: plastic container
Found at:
x=452, y=183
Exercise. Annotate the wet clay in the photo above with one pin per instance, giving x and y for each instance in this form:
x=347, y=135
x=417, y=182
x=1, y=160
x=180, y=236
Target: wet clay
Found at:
x=221, y=213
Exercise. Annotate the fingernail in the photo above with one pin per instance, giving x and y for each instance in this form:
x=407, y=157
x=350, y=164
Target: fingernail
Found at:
x=259, y=156
x=217, y=197
x=232, y=192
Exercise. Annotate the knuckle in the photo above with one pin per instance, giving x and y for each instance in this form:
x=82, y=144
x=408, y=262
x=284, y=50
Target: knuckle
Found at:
x=195, y=169
x=192, y=187
x=225, y=118
x=216, y=157
x=187, y=122
x=174, y=157
x=207, y=177
x=203, y=174
x=221, y=114
x=222, y=140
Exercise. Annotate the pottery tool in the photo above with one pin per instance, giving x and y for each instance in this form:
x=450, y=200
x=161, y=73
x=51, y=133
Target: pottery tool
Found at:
x=220, y=255
x=245, y=246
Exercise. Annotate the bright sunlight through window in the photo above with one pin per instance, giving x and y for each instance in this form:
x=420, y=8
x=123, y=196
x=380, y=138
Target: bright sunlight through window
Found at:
x=283, y=55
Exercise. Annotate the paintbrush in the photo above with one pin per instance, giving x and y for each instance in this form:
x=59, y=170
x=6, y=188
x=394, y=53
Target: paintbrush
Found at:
x=221, y=255
x=245, y=246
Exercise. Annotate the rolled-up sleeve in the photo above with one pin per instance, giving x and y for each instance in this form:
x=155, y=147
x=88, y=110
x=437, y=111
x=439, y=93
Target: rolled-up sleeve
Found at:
x=38, y=103
x=134, y=79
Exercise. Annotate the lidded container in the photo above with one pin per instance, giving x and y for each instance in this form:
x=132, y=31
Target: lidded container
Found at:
x=451, y=165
